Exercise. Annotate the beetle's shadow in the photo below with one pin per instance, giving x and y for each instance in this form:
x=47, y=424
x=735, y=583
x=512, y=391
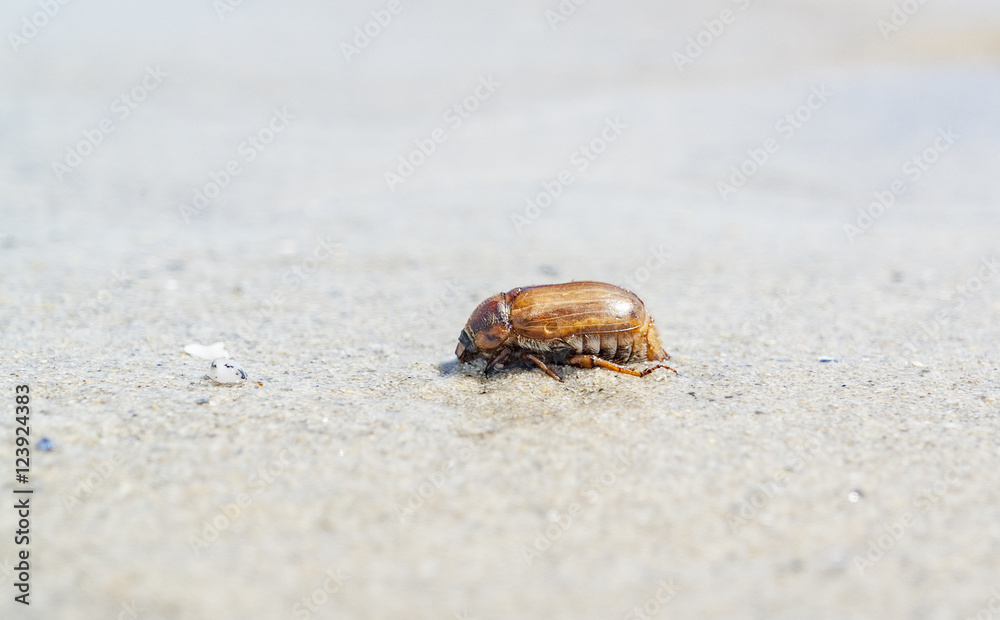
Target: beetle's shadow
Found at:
x=451, y=368
x=477, y=369
x=455, y=368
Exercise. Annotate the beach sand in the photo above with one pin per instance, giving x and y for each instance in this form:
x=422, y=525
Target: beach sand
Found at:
x=807, y=206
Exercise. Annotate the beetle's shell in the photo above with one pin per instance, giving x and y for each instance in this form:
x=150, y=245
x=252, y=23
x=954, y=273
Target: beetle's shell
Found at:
x=590, y=318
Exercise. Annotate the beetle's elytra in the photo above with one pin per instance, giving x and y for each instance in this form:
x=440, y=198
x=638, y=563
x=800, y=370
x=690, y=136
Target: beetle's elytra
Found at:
x=583, y=324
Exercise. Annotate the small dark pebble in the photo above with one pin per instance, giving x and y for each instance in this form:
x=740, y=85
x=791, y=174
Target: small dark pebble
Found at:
x=46, y=444
x=202, y=401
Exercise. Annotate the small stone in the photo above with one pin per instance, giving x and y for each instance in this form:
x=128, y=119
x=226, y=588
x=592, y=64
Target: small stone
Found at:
x=46, y=445
x=226, y=371
x=207, y=352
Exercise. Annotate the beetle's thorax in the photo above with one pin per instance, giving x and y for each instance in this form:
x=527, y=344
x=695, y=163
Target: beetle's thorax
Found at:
x=493, y=311
x=489, y=326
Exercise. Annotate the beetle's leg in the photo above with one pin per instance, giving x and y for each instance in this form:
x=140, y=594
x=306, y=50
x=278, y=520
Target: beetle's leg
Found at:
x=541, y=364
x=589, y=361
x=649, y=370
x=501, y=356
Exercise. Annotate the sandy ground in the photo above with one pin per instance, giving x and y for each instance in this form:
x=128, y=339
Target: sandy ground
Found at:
x=829, y=448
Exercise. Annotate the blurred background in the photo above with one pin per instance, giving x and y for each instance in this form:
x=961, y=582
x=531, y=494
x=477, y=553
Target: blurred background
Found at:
x=692, y=111
x=331, y=188
x=697, y=88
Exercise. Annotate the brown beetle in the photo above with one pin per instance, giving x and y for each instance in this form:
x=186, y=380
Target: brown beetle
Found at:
x=582, y=324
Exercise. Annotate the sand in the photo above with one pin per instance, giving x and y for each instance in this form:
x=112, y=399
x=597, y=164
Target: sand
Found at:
x=828, y=449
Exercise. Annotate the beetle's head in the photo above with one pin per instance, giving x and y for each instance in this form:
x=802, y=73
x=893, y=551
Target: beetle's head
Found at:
x=487, y=330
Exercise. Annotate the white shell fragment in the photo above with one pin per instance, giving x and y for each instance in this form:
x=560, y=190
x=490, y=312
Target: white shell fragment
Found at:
x=226, y=371
x=207, y=352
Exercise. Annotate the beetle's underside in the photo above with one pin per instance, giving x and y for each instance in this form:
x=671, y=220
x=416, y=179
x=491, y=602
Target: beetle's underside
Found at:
x=543, y=361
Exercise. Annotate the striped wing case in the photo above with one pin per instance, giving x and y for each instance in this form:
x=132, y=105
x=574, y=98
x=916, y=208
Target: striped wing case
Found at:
x=575, y=308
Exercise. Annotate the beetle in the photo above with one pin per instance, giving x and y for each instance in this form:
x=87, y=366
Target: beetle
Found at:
x=583, y=324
